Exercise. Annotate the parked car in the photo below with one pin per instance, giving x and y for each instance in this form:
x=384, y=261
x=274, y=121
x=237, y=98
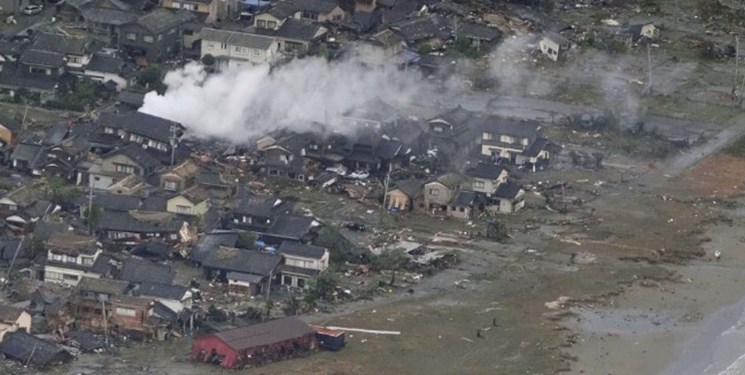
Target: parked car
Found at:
x=31, y=10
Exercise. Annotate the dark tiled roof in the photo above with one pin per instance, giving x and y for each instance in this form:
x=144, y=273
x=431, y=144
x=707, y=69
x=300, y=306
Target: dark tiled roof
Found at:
x=26, y=348
x=137, y=154
x=119, y=221
x=282, y=10
x=511, y=127
x=161, y=290
x=265, y=334
x=116, y=202
x=103, y=286
x=464, y=198
x=317, y=6
x=239, y=260
x=87, y=340
x=108, y=16
x=13, y=76
x=292, y=226
x=163, y=19
x=135, y=99
x=61, y=44
x=301, y=250
x=298, y=30
x=26, y=152
x=265, y=206
x=477, y=31
x=140, y=123
x=536, y=147
x=212, y=241
x=9, y=314
x=153, y=248
x=421, y=28
x=410, y=187
x=485, y=171
x=45, y=59
x=508, y=190
x=105, y=64
x=10, y=123
x=138, y=271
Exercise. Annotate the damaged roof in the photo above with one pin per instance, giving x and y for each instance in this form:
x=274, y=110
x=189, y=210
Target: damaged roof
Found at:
x=10, y=314
x=293, y=227
x=161, y=290
x=30, y=349
x=103, y=286
x=139, y=271
x=139, y=222
x=301, y=250
x=240, y=260
x=263, y=334
x=212, y=241
x=485, y=171
x=508, y=190
x=59, y=43
x=411, y=187
x=509, y=126
x=137, y=154
x=149, y=126
x=161, y=19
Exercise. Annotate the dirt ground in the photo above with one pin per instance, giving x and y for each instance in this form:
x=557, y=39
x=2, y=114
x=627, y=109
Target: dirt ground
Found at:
x=718, y=176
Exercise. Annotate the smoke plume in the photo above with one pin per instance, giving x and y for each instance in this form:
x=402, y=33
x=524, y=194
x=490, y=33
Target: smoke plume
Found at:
x=239, y=104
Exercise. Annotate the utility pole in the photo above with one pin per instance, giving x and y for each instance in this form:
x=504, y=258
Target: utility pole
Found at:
x=105, y=322
x=385, y=194
x=23, y=122
x=90, y=202
x=649, y=68
x=10, y=268
x=174, y=143
x=736, y=89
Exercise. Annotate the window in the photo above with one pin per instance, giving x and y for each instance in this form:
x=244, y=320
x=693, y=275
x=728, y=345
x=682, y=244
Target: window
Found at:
x=70, y=277
x=121, y=168
x=49, y=275
x=75, y=59
x=183, y=209
x=123, y=311
x=136, y=138
x=188, y=6
x=479, y=184
x=147, y=39
x=271, y=24
x=238, y=49
x=257, y=52
x=224, y=46
x=170, y=186
x=301, y=283
x=12, y=207
x=287, y=280
x=131, y=36
x=261, y=23
x=176, y=5
x=434, y=192
x=108, y=130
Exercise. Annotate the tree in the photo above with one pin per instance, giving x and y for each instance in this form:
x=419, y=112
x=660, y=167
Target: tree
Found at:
x=152, y=78
x=341, y=249
x=324, y=285
x=247, y=240
x=92, y=216
x=268, y=309
x=391, y=260
x=37, y=247
x=60, y=193
x=208, y=60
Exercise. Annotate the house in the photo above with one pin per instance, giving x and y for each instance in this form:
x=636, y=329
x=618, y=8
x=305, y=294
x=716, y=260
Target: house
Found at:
x=296, y=37
x=293, y=228
x=176, y=297
x=432, y=30
x=153, y=249
x=439, y=192
x=93, y=296
x=155, y=35
x=120, y=163
x=192, y=201
x=255, y=344
x=12, y=248
x=641, y=31
x=71, y=257
x=302, y=263
x=479, y=36
x=451, y=122
x=511, y=198
x=129, y=185
x=212, y=10
x=381, y=48
x=24, y=221
x=76, y=51
x=235, y=48
x=130, y=99
x=9, y=130
x=464, y=205
x=42, y=63
x=286, y=159
x=13, y=319
x=137, y=271
x=180, y=177
x=63, y=158
x=104, y=68
x=132, y=227
x=245, y=271
x=211, y=241
x=554, y=46
x=105, y=23
x=275, y=16
x=487, y=177
x=151, y=132
x=372, y=114
x=28, y=158
x=517, y=142
x=133, y=316
x=320, y=10
x=405, y=195
x=31, y=350
x=16, y=200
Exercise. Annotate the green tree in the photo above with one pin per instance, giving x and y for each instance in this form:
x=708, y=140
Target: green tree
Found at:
x=61, y=193
x=247, y=240
x=92, y=216
x=325, y=285
x=208, y=60
x=37, y=247
x=152, y=78
x=390, y=260
x=424, y=49
x=340, y=248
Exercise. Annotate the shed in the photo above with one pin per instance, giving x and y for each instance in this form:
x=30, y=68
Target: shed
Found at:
x=256, y=344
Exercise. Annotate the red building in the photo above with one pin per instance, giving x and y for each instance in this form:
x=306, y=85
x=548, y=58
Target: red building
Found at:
x=256, y=344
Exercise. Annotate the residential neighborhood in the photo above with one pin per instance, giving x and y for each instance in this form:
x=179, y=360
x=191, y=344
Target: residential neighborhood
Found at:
x=500, y=186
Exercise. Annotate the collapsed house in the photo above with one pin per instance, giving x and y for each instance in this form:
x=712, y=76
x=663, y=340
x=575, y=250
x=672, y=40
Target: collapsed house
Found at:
x=256, y=344
x=31, y=350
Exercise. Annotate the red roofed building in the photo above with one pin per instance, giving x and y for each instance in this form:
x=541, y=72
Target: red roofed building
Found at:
x=256, y=344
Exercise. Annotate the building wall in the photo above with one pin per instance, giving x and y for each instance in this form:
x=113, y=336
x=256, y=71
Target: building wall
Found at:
x=120, y=314
x=308, y=263
x=134, y=37
x=241, y=54
x=110, y=164
x=337, y=14
x=437, y=194
x=482, y=185
x=67, y=276
x=194, y=209
x=550, y=49
x=23, y=322
x=457, y=213
x=6, y=136
x=267, y=21
x=398, y=199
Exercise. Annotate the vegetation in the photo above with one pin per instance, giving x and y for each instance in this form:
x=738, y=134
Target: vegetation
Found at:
x=81, y=97
x=152, y=79
x=464, y=47
x=208, y=60
x=390, y=260
x=215, y=314
x=61, y=193
x=324, y=287
x=340, y=248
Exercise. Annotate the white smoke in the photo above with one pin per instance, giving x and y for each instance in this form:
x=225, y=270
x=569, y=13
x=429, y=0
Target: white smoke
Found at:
x=247, y=102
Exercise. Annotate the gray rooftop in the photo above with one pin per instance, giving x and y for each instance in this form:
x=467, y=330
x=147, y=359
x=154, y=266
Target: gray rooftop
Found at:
x=237, y=38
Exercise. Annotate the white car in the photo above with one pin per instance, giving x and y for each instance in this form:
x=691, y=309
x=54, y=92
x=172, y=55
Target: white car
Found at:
x=31, y=10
